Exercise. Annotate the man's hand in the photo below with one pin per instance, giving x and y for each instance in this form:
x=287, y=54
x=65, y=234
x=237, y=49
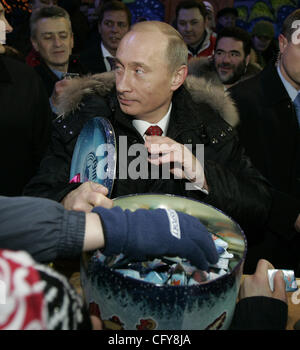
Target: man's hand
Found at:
x=58, y=90
x=164, y=150
x=86, y=197
x=258, y=284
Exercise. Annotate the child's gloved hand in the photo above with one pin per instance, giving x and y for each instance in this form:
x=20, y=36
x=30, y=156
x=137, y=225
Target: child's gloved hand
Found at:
x=145, y=234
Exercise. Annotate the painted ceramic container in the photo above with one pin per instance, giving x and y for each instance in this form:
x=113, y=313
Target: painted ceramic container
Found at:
x=127, y=303
x=94, y=156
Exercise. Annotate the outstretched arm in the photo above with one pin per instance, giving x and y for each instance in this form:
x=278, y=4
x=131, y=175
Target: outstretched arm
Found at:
x=48, y=231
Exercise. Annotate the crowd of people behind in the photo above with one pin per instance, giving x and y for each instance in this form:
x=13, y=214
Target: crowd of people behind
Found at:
x=201, y=80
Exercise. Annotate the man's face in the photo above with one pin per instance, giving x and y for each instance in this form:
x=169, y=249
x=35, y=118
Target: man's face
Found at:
x=191, y=25
x=229, y=60
x=54, y=41
x=290, y=61
x=261, y=43
x=143, y=80
x=112, y=29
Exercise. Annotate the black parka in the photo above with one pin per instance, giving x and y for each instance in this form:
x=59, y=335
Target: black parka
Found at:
x=235, y=186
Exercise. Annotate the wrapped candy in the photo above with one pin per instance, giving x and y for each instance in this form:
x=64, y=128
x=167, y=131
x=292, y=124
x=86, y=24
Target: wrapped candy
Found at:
x=173, y=271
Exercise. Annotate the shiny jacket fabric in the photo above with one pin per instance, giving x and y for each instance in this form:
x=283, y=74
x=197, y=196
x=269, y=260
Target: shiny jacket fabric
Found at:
x=235, y=186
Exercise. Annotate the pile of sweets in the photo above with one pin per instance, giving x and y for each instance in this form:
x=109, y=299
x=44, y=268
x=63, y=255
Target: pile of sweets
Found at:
x=172, y=271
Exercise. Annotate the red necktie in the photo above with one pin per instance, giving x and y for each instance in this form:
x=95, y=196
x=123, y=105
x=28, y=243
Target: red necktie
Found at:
x=154, y=131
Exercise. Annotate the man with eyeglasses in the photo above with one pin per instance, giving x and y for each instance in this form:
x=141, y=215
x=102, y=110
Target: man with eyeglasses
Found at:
x=113, y=23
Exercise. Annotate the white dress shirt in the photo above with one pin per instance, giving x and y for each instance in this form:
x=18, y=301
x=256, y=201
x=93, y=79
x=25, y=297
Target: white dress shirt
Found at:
x=142, y=126
x=292, y=92
x=105, y=54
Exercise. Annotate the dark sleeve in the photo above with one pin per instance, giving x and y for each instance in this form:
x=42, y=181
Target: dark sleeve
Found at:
x=260, y=313
x=53, y=176
x=284, y=212
x=238, y=187
x=41, y=227
x=235, y=185
x=41, y=120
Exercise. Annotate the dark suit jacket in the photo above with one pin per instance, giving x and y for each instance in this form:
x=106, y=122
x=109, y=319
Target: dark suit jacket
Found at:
x=92, y=57
x=50, y=79
x=270, y=132
x=25, y=124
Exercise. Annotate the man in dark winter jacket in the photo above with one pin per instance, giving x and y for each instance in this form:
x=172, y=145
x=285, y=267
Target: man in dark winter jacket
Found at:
x=152, y=89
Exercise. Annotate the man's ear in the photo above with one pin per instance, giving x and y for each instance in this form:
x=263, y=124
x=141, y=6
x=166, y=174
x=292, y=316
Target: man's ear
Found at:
x=283, y=42
x=35, y=45
x=179, y=77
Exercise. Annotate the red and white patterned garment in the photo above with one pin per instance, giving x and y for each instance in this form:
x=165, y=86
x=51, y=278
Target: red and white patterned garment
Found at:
x=21, y=292
x=33, y=296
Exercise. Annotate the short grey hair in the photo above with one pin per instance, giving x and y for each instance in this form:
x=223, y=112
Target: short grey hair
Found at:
x=47, y=12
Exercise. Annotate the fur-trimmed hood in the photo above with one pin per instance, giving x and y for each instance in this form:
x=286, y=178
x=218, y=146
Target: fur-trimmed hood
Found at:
x=201, y=91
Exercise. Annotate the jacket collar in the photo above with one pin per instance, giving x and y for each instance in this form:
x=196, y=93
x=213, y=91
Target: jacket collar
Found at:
x=198, y=91
x=272, y=86
x=177, y=124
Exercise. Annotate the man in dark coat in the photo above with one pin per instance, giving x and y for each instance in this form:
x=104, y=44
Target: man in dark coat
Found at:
x=25, y=120
x=52, y=39
x=188, y=115
x=113, y=23
x=25, y=124
x=270, y=132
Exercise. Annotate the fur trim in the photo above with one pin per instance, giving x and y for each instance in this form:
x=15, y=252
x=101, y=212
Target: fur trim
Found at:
x=203, y=91
x=72, y=95
x=101, y=84
x=201, y=67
